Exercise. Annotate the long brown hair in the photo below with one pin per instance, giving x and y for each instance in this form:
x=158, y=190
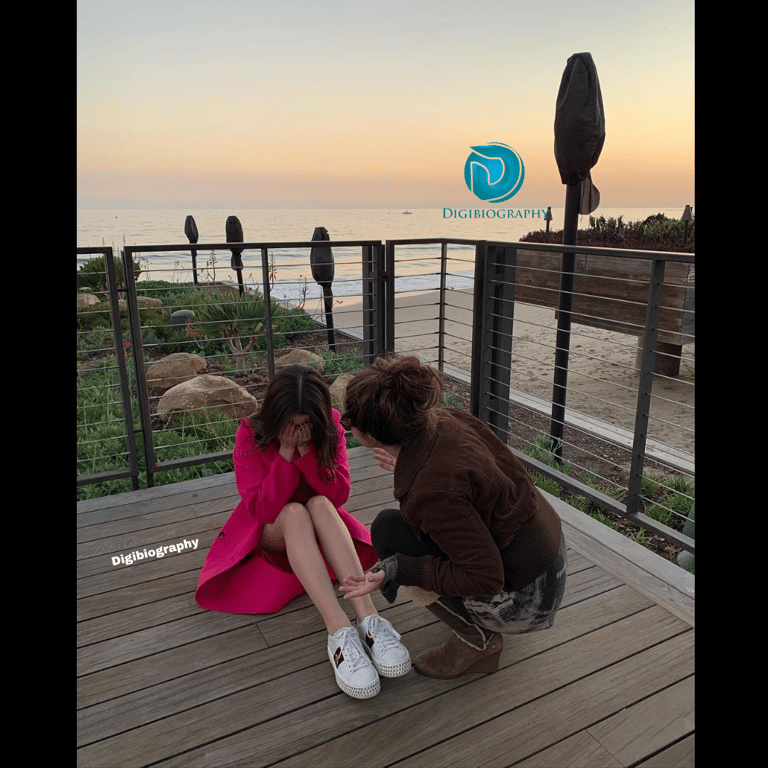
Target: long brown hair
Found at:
x=394, y=399
x=299, y=389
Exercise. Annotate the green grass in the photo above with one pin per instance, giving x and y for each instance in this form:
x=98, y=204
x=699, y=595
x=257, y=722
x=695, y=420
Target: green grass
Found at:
x=667, y=500
x=102, y=444
x=335, y=364
x=101, y=426
x=543, y=449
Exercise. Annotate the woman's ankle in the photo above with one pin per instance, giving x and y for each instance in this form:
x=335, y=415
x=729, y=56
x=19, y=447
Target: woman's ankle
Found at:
x=333, y=627
x=364, y=608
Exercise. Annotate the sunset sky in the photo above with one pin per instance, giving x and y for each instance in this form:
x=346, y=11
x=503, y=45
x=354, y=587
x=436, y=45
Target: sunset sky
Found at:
x=355, y=101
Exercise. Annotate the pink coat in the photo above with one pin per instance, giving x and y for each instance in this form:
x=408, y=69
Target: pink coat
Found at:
x=238, y=576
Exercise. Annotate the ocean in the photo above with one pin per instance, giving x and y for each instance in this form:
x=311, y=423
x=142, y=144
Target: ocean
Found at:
x=417, y=265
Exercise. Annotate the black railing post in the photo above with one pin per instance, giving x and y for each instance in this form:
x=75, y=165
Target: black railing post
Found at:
x=645, y=386
x=388, y=277
x=268, y=311
x=371, y=304
x=137, y=347
x=122, y=369
x=492, y=327
x=441, y=313
x=476, y=389
x=500, y=310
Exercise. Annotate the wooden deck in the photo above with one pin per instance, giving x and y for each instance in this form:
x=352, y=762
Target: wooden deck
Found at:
x=163, y=682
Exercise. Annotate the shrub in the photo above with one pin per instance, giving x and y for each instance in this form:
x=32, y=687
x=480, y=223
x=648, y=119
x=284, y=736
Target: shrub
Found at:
x=95, y=316
x=92, y=275
x=290, y=323
x=336, y=364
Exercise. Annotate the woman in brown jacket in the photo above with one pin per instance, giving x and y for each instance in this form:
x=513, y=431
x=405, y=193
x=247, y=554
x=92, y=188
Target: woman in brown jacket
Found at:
x=474, y=540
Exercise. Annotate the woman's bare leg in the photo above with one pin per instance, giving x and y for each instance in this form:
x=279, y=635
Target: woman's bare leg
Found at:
x=294, y=533
x=338, y=548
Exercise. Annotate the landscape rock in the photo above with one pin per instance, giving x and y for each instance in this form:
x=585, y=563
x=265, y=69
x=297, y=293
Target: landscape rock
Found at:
x=85, y=300
x=300, y=357
x=174, y=369
x=179, y=318
x=143, y=302
x=339, y=391
x=148, y=301
x=206, y=393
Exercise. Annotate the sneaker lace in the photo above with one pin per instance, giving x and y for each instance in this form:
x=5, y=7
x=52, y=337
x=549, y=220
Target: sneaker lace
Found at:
x=383, y=633
x=352, y=650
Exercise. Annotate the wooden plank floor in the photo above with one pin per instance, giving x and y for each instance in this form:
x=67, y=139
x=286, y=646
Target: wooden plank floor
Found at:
x=164, y=682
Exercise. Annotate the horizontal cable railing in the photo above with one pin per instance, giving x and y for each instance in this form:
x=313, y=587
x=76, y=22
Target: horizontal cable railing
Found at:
x=597, y=461
x=483, y=312
x=234, y=330
x=106, y=447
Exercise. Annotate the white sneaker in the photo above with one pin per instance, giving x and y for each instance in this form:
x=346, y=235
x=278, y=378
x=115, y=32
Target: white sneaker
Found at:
x=355, y=674
x=389, y=655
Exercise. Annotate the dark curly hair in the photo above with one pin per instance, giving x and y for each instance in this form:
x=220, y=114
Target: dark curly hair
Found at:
x=394, y=398
x=299, y=389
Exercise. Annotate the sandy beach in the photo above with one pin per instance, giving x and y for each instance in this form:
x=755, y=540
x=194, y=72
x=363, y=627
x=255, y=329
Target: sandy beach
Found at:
x=602, y=377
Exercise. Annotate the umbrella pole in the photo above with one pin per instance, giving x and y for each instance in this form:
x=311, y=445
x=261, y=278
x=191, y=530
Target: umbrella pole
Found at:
x=190, y=230
x=194, y=265
x=328, y=299
x=563, y=341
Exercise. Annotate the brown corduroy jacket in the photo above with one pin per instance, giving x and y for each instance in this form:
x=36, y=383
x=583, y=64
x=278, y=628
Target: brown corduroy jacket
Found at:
x=473, y=497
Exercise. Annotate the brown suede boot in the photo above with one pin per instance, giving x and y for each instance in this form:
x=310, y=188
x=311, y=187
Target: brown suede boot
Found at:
x=469, y=649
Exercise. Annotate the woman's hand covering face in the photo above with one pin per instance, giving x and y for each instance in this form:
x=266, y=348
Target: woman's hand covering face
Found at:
x=296, y=434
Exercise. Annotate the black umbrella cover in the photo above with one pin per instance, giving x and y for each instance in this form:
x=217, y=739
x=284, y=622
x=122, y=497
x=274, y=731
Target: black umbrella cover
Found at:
x=321, y=259
x=234, y=230
x=190, y=229
x=579, y=122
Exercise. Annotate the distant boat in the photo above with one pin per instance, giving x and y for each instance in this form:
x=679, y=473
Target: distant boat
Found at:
x=404, y=212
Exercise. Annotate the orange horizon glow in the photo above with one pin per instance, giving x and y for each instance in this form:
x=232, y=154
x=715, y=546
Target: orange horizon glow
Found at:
x=372, y=101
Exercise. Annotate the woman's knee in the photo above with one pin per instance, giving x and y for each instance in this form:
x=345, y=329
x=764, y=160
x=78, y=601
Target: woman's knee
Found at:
x=294, y=516
x=392, y=535
x=290, y=523
x=319, y=506
x=385, y=535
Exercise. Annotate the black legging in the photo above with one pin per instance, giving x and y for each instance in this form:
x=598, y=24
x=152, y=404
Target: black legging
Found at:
x=391, y=535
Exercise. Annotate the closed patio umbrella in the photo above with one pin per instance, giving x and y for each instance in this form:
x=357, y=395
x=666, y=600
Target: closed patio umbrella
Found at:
x=579, y=128
x=579, y=139
x=190, y=230
x=322, y=266
x=234, y=230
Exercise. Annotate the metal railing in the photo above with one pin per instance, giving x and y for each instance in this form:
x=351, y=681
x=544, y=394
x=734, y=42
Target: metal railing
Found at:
x=483, y=312
x=667, y=309
x=618, y=294
x=111, y=379
x=166, y=446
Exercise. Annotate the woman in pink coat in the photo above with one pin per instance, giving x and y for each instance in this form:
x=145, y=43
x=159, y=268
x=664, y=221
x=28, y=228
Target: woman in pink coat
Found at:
x=291, y=534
